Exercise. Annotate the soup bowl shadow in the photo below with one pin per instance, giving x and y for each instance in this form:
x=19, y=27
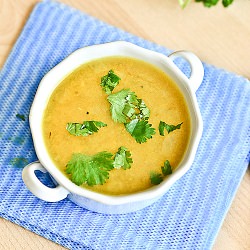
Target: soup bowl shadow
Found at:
x=97, y=202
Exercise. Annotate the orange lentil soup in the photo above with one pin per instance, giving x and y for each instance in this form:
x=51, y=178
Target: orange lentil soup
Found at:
x=79, y=97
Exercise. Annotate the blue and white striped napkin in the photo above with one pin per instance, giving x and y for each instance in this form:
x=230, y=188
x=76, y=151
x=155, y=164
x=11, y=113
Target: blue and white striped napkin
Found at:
x=188, y=216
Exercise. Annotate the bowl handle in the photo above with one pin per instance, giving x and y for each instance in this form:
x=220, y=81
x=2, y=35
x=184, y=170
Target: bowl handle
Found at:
x=38, y=188
x=197, y=70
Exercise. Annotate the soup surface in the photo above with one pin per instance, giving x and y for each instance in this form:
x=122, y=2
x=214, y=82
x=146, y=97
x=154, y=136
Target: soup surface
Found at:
x=79, y=97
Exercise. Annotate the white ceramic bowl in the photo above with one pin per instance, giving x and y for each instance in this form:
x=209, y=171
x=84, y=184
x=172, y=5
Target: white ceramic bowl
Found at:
x=97, y=202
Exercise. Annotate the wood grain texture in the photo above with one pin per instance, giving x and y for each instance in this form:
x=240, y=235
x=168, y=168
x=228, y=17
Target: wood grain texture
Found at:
x=218, y=36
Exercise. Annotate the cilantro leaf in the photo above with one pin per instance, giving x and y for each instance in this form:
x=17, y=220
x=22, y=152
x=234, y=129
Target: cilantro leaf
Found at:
x=126, y=106
x=122, y=158
x=21, y=117
x=84, y=129
x=109, y=82
x=169, y=128
x=123, y=105
x=166, y=169
x=144, y=110
x=141, y=130
x=226, y=3
x=90, y=169
x=155, y=178
x=206, y=3
x=210, y=3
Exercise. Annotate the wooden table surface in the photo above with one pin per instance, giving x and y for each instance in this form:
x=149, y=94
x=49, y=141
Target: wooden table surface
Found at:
x=219, y=36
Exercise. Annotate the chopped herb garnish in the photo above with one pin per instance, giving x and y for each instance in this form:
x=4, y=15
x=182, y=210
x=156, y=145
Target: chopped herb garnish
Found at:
x=128, y=109
x=169, y=128
x=84, y=129
x=109, y=82
x=144, y=111
x=206, y=3
x=166, y=169
x=19, y=116
x=141, y=130
x=210, y=3
x=123, y=104
x=90, y=169
x=123, y=158
x=155, y=178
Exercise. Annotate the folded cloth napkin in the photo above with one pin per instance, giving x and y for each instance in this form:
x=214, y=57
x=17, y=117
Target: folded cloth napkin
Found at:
x=188, y=216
